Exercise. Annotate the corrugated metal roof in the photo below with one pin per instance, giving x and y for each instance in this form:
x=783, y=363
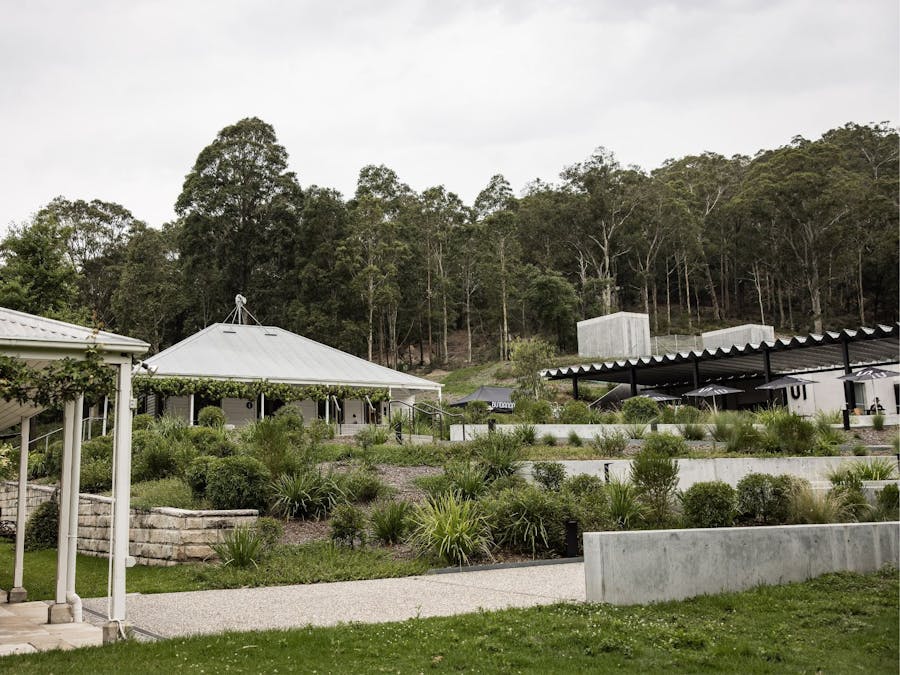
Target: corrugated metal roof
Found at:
x=805, y=353
x=23, y=327
x=250, y=352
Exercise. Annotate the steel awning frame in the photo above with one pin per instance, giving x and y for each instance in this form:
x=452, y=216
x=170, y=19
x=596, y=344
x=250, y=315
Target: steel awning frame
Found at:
x=800, y=354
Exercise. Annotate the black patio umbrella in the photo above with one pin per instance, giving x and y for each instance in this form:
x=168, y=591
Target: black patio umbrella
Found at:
x=658, y=396
x=786, y=382
x=713, y=390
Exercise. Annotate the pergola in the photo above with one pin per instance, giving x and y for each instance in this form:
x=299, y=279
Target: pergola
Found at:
x=40, y=343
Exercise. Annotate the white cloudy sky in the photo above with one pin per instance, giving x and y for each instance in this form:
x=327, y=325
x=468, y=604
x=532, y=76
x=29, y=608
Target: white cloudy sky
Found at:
x=114, y=100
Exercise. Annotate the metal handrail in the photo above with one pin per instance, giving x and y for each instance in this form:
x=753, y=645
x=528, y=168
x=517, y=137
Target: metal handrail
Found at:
x=46, y=437
x=434, y=412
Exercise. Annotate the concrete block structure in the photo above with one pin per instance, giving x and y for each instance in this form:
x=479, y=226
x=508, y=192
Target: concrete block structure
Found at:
x=748, y=333
x=614, y=335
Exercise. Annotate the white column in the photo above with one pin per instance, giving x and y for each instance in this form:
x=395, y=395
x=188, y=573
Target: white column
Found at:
x=262, y=406
x=105, y=412
x=65, y=501
x=190, y=412
x=121, y=492
x=327, y=407
x=18, y=593
x=74, y=484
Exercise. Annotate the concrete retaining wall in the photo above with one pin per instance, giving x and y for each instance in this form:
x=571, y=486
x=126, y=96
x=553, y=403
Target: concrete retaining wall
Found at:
x=727, y=469
x=159, y=536
x=561, y=432
x=626, y=568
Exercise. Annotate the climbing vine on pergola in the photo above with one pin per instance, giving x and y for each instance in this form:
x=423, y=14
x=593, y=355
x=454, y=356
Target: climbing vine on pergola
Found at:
x=279, y=391
x=60, y=381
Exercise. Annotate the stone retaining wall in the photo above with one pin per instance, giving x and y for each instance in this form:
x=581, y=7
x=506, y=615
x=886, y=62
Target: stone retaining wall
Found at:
x=159, y=536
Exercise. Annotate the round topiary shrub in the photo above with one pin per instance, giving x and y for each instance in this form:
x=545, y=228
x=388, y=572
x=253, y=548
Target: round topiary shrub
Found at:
x=212, y=441
x=238, y=482
x=639, y=410
x=764, y=499
x=142, y=422
x=664, y=443
x=710, y=504
x=197, y=474
x=154, y=457
x=575, y=412
x=211, y=416
x=42, y=528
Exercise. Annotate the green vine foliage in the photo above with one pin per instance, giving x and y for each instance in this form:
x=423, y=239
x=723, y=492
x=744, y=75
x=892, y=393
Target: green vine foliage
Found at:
x=61, y=381
x=278, y=391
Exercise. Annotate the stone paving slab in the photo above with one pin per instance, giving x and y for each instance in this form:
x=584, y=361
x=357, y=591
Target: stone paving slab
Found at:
x=369, y=601
x=24, y=629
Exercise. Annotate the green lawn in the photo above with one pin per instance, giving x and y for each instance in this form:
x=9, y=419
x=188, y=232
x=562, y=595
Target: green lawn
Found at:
x=304, y=564
x=836, y=624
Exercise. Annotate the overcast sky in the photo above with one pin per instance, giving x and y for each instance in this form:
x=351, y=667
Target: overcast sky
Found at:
x=114, y=100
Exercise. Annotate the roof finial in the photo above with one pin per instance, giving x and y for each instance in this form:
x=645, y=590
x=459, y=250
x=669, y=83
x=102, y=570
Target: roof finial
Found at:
x=240, y=313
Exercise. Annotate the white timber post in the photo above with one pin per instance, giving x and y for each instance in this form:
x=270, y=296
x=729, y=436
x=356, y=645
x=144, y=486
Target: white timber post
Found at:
x=105, y=412
x=262, y=406
x=190, y=411
x=121, y=504
x=60, y=611
x=327, y=407
x=72, y=598
x=18, y=592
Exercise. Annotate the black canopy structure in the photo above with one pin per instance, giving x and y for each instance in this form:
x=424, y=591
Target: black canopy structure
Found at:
x=786, y=382
x=498, y=398
x=658, y=396
x=846, y=349
x=870, y=374
x=711, y=391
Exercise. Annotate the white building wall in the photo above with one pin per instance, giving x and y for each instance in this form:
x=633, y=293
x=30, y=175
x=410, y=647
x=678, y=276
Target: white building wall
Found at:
x=828, y=393
x=239, y=411
x=179, y=406
x=748, y=333
x=353, y=407
x=613, y=335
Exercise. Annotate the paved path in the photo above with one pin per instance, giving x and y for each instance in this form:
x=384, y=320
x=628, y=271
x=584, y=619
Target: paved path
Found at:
x=371, y=601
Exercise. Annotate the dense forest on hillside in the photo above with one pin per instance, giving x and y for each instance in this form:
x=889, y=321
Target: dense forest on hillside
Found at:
x=803, y=236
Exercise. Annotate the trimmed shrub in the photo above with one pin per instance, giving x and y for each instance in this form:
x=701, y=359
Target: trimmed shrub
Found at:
x=477, y=412
x=549, y=475
x=241, y=547
x=155, y=456
x=348, y=525
x=584, y=486
x=692, y=432
x=688, y=414
x=42, y=528
x=764, y=499
x=270, y=531
x=171, y=492
x=888, y=502
x=534, y=412
x=451, y=529
x=307, y=494
x=575, y=412
x=528, y=520
x=197, y=474
x=656, y=478
x=639, y=410
x=238, y=482
x=96, y=475
x=142, y=422
x=364, y=486
x=710, y=504
x=211, y=416
x=526, y=434
x=498, y=454
x=663, y=443
x=213, y=441
x=612, y=445
x=390, y=521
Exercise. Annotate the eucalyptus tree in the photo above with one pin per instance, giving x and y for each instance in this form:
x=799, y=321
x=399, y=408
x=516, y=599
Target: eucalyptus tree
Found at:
x=240, y=206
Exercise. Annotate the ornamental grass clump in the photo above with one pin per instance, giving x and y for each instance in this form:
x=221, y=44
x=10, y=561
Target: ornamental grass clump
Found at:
x=498, y=454
x=390, y=521
x=528, y=520
x=451, y=529
x=307, y=494
x=743, y=436
x=789, y=434
x=241, y=547
x=467, y=479
x=612, y=445
x=692, y=432
x=625, y=509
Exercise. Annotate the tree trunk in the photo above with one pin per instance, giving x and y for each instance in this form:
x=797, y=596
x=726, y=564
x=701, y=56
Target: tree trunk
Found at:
x=504, y=338
x=468, y=328
x=859, y=286
x=428, y=307
x=371, y=302
x=687, y=295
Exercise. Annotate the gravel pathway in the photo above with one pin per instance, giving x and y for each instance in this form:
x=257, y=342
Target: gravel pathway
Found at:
x=371, y=601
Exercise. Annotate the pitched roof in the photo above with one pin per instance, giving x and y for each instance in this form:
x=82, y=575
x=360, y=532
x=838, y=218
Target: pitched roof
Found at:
x=488, y=394
x=21, y=328
x=251, y=352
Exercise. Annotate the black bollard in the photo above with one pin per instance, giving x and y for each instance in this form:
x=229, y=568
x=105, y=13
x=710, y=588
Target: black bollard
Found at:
x=398, y=432
x=846, y=415
x=492, y=424
x=606, y=471
x=571, y=539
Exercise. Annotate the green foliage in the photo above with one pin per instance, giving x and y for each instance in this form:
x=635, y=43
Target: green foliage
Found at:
x=364, y=486
x=639, y=410
x=348, y=525
x=765, y=499
x=693, y=432
x=810, y=507
x=197, y=474
x=142, y=422
x=548, y=439
x=887, y=502
x=372, y=435
x=574, y=439
x=306, y=494
x=211, y=416
x=269, y=531
x=528, y=357
x=549, y=475
x=664, y=443
x=874, y=469
x=528, y=520
x=575, y=412
x=237, y=482
x=611, y=445
x=498, y=454
x=241, y=547
x=743, y=436
x=276, y=444
x=656, y=478
x=477, y=412
x=96, y=475
x=171, y=492
x=637, y=431
x=626, y=511
x=390, y=521
x=451, y=529
x=154, y=456
x=789, y=434
x=42, y=527
x=434, y=486
x=710, y=504
x=213, y=441
x=584, y=486
x=878, y=421
x=533, y=412
x=467, y=479
x=722, y=425
x=526, y=434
